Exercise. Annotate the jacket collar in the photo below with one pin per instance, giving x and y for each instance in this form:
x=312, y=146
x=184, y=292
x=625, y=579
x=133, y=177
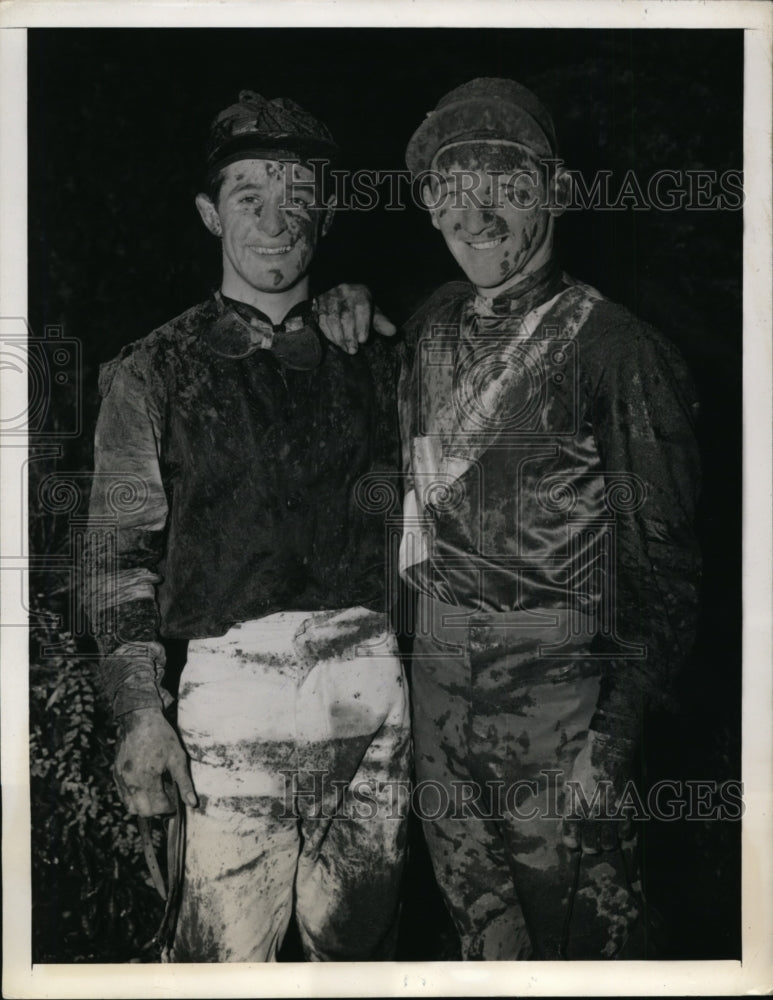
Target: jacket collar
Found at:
x=531, y=292
x=239, y=330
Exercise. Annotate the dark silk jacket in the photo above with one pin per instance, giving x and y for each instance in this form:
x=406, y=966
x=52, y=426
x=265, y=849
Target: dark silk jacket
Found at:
x=550, y=462
x=225, y=480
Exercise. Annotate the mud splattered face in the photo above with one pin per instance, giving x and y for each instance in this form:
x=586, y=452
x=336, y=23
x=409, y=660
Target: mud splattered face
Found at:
x=269, y=238
x=492, y=210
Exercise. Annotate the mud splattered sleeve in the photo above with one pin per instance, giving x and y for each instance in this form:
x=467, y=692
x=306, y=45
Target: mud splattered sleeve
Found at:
x=127, y=517
x=440, y=309
x=644, y=412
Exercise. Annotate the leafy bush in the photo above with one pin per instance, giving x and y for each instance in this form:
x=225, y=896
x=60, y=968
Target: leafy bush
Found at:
x=93, y=900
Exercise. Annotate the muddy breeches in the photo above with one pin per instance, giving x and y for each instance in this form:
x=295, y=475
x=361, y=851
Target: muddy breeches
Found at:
x=497, y=727
x=298, y=732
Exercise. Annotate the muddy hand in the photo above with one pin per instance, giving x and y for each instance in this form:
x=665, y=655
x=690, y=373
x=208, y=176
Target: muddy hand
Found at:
x=346, y=315
x=592, y=819
x=148, y=748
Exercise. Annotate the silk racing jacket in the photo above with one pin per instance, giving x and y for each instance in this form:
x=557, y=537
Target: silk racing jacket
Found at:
x=550, y=462
x=227, y=454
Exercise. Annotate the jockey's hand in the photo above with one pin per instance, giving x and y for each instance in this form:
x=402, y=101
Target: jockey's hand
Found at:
x=148, y=747
x=592, y=820
x=346, y=314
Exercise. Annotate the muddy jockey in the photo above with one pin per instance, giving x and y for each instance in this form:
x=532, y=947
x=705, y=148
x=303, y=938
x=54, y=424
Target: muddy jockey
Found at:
x=550, y=474
x=247, y=433
x=552, y=471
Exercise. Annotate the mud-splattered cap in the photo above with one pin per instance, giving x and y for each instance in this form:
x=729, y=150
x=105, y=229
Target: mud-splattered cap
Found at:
x=485, y=108
x=256, y=127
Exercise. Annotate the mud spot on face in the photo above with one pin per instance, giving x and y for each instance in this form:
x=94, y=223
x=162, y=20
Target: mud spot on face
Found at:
x=276, y=276
x=528, y=238
x=303, y=258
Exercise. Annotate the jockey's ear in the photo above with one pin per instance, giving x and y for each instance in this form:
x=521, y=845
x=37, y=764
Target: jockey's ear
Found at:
x=209, y=214
x=559, y=190
x=433, y=195
x=328, y=214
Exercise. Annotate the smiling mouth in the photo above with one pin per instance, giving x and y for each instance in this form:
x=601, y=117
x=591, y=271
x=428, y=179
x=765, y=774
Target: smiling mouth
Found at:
x=487, y=244
x=271, y=251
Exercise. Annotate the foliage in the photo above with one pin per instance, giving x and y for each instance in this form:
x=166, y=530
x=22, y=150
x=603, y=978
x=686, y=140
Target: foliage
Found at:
x=92, y=897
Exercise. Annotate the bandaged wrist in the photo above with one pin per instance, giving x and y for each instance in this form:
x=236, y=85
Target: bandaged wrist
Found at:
x=131, y=678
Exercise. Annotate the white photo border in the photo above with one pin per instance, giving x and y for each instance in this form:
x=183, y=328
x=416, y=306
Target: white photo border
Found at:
x=755, y=973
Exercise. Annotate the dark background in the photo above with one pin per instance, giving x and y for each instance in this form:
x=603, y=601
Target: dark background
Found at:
x=117, y=122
